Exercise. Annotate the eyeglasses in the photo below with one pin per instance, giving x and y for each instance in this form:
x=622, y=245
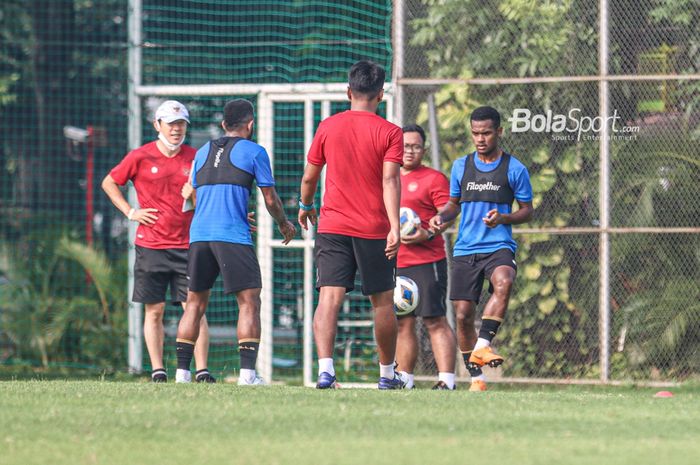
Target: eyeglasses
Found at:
x=413, y=148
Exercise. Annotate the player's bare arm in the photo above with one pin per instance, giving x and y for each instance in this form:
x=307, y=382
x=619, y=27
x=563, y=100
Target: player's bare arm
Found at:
x=391, y=179
x=522, y=215
x=274, y=207
x=445, y=217
x=145, y=216
x=312, y=173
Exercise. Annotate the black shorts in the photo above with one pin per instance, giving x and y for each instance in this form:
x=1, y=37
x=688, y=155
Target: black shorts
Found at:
x=237, y=264
x=431, y=279
x=339, y=257
x=469, y=272
x=154, y=270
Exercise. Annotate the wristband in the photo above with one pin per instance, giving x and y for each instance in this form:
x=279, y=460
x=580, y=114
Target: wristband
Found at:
x=130, y=215
x=305, y=207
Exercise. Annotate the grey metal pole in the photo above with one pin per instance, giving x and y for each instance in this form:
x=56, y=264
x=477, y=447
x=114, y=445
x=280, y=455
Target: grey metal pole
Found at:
x=134, y=135
x=604, y=146
x=433, y=130
x=399, y=24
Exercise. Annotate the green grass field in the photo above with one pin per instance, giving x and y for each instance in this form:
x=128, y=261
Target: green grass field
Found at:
x=86, y=422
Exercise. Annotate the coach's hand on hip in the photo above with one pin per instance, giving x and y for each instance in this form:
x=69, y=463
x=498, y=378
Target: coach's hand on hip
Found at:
x=145, y=216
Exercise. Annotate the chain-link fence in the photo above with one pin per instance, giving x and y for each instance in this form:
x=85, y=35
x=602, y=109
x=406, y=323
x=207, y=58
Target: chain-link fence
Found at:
x=609, y=269
x=599, y=100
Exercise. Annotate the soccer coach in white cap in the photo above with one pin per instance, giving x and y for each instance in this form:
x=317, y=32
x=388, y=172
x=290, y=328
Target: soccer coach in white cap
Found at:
x=160, y=172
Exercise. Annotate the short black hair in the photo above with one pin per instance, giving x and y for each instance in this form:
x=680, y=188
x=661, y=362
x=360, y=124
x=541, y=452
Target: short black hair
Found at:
x=366, y=78
x=237, y=113
x=485, y=114
x=415, y=128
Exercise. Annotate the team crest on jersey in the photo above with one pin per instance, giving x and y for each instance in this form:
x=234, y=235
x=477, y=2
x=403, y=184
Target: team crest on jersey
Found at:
x=186, y=171
x=412, y=187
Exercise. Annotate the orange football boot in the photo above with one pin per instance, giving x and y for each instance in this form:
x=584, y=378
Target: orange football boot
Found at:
x=485, y=356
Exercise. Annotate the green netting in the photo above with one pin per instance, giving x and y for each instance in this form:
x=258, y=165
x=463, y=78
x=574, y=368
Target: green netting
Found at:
x=62, y=64
x=219, y=41
x=64, y=119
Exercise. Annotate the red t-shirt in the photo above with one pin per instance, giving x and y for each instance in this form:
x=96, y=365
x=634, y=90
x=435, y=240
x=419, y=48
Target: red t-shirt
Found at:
x=158, y=181
x=355, y=145
x=423, y=190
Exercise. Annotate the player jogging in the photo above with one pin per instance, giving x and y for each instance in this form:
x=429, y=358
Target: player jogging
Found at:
x=159, y=170
x=422, y=258
x=220, y=242
x=359, y=223
x=483, y=186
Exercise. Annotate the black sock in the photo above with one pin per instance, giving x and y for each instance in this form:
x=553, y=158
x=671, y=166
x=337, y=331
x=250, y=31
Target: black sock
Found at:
x=489, y=328
x=472, y=369
x=185, y=351
x=248, y=351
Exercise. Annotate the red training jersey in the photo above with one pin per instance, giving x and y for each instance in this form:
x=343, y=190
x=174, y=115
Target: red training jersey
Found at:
x=423, y=190
x=158, y=181
x=355, y=145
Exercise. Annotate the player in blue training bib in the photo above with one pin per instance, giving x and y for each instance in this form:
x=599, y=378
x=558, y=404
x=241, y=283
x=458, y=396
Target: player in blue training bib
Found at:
x=483, y=186
x=223, y=174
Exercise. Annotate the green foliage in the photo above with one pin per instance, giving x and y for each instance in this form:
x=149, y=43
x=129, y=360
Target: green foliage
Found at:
x=7, y=96
x=62, y=304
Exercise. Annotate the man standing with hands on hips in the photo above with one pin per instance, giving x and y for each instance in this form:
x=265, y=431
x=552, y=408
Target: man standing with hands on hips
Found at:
x=483, y=186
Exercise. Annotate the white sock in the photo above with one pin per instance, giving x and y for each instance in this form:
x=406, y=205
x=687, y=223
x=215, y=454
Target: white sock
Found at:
x=247, y=375
x=183, y=376
x=410, y=377
x=447, y=378
x=481, y=343
x=386, y=371
x=481, y=377
x=326, y=365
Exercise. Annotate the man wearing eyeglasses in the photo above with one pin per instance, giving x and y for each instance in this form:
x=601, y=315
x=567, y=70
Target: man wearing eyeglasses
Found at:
x=422, y=258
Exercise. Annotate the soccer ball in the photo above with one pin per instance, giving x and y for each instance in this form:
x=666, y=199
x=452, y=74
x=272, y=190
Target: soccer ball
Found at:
x=406, y=296
x=408, y=221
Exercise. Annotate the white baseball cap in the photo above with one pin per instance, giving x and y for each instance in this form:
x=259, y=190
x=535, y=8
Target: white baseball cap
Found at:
x=172, y=110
